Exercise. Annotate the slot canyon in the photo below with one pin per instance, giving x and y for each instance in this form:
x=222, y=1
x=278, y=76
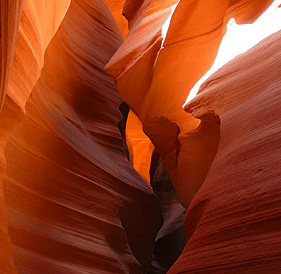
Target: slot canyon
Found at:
x=106, y=167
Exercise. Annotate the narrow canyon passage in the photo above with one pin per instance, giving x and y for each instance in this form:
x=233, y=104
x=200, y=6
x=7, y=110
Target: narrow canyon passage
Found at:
x=103, y=170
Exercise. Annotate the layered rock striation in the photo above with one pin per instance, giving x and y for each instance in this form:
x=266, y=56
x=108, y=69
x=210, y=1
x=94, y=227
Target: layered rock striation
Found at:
x=233, y=222
x=71, y=201
x=26, y=29
x=154, y=76
x=74, y=202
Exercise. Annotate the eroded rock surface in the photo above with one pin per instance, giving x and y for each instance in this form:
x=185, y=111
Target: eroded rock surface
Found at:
x=139, y=145
x=170, y=239
x=233, y=222
x=26, y=29
x=74, y=202
x=155, y=77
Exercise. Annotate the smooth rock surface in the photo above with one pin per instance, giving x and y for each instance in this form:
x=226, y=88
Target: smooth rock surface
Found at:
x=26, y=29
x=116, y=8
x=139, y=145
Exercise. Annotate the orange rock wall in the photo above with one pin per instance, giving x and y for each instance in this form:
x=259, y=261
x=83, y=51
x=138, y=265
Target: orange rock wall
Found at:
x=26, y=29
x=155, y=81
x=116, y=8
x=139, y=145
x=74, y=202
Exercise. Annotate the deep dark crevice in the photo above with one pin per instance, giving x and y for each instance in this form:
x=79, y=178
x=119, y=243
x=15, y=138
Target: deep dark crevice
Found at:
x=124, y=109
x=141, y=220
x=170, y=239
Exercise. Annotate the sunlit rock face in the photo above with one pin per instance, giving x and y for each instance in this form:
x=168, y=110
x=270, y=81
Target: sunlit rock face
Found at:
x=155, y=83
x=233, y=222
x=140, y=146
x=74, y=202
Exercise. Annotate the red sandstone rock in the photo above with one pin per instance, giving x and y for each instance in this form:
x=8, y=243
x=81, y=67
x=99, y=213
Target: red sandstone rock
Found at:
x=155, y=83
x=233, y=223
x=71, y=135
x=74, y=202
x=8, y=119
x=10, y=20
x=136, y=56
x=170, y=239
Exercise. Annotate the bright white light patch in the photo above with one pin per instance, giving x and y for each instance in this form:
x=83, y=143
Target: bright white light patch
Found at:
x=240, y=38
x=167, y=23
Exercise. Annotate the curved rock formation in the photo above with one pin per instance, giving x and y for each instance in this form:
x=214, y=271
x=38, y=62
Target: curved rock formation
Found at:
x=10, y=20
x=38, y=23
x=74, y=202
x=26, y=29
x=139, y=145
x=170, y=239
x=155, y=82
x=71, y=201
x=116, y=8
x=233, y=222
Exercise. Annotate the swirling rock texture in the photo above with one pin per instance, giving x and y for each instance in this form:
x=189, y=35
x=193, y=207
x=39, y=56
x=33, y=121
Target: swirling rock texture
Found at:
x=72, y=202
x=155, y=77
x=116, y=8
x=82, y=206
x=26, y=29
x=233, y=223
